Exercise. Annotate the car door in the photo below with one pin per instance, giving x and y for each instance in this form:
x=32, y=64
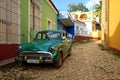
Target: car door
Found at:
x=65, y=45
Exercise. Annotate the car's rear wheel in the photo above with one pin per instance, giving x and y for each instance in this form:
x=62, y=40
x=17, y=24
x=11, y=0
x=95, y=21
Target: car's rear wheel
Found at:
x=59, y=61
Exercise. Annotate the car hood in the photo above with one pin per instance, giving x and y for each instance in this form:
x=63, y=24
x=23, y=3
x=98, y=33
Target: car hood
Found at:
x=41, y=45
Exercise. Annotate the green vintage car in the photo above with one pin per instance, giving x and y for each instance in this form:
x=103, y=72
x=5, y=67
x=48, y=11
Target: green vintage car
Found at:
x=48, y=46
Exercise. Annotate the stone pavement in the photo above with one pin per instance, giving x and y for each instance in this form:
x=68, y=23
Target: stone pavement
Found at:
x=87, y=62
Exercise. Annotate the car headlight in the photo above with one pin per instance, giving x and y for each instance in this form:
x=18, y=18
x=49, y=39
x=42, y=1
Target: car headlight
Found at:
x=19, y=49
x=52, y=50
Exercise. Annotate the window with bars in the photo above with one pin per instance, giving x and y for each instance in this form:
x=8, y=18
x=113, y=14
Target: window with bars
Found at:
x=9, y=21
x=35, y=15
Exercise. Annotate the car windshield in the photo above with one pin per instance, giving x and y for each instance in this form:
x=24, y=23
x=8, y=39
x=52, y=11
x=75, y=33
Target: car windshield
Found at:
x=48, y=35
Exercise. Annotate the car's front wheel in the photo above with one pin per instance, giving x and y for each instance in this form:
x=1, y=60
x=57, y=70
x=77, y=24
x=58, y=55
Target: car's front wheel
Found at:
x=59, y=61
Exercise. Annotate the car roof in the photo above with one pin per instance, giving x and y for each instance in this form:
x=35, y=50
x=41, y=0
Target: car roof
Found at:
x=59, y=31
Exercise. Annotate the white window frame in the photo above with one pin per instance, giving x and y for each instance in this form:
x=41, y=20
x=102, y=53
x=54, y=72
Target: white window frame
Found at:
x=49, y=27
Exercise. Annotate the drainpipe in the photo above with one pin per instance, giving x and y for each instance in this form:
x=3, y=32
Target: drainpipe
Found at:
x=106, y=24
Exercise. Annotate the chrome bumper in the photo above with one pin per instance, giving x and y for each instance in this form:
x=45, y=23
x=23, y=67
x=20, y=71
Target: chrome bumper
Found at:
x=35, y=57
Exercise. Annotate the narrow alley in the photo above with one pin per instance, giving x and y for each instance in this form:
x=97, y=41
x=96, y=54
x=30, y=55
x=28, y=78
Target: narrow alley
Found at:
x=21, y=21
x=87, y=62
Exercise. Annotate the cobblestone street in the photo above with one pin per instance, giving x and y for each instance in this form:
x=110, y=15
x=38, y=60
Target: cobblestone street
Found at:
x=87, y=62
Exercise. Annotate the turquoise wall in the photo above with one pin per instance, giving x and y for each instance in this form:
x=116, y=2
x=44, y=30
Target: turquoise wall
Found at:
x=24, y=21
x=47, y=12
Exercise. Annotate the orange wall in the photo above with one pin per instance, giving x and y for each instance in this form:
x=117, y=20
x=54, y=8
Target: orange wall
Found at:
x=113, y=23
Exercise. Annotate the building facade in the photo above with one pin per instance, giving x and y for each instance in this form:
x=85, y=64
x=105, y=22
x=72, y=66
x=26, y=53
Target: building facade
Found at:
x=84, y=26
x=19, y=22
x=110, y=24
x=49, y=15
x=65, y=22
x=9, y=29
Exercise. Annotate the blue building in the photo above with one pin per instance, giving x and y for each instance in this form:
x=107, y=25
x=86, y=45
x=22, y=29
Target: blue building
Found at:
x=65, y=22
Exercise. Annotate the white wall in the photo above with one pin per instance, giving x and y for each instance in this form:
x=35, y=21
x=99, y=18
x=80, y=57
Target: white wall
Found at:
x=83, y=30
x=78, y=28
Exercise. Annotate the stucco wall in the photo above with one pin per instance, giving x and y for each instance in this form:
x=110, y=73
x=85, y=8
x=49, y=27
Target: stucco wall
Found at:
x=96, y=34
x=113, y=23
x=48, y=13
x=79, y=28
x=24, y=21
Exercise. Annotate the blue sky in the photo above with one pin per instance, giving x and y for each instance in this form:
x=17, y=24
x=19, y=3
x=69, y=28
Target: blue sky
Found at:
x=63, y=4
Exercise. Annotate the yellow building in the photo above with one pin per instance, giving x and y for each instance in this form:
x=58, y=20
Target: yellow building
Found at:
x=85, y=25
x=110, y=22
